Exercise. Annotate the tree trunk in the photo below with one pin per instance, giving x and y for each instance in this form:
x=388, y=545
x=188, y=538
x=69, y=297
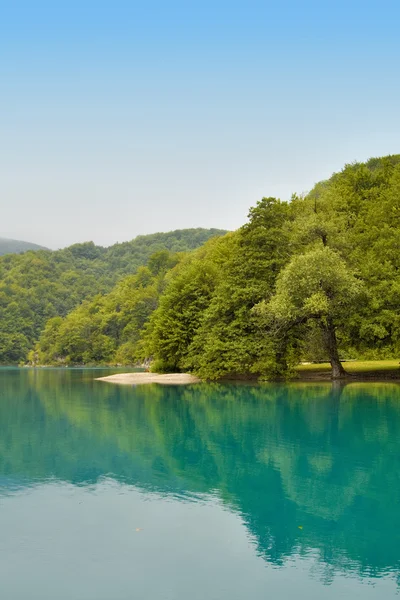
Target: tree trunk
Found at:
x=331, y=343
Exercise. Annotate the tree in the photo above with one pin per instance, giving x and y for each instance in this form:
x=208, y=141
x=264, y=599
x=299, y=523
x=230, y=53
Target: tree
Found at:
x=188, y=292
x=316, y=285
x=229, y=341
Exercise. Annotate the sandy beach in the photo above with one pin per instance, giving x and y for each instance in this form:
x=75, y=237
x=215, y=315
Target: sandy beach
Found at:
x=142, y=378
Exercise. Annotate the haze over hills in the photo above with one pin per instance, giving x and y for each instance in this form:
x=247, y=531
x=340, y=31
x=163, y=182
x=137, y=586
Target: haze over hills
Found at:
x=8, y=246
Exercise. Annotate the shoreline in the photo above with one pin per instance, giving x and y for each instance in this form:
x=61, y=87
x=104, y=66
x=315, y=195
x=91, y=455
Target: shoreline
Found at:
x=187, y=378
x=321, y=376
x=384, y=370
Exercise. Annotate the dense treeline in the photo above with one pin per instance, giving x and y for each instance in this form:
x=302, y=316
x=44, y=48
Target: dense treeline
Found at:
x=107, y=327
x=311, y=279
x=38, y=286
x=316, y=278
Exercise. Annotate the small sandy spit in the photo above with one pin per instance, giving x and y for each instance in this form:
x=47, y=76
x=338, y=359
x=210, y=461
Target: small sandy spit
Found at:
x=141, y=378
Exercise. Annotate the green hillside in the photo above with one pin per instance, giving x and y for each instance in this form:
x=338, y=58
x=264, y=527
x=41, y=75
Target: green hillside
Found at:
x=314, y=279
x=317, y=278
x=36, y=286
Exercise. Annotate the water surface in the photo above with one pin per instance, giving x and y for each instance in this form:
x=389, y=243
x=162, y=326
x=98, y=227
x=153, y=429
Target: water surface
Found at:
x=205, y=491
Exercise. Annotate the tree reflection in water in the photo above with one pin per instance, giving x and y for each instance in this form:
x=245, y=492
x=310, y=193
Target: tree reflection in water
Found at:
x=309, y=467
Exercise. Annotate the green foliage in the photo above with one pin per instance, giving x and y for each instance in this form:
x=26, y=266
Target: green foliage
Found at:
x=230, y=341
x=317, y=285
x=315, y=278
x=189, y=289
x=357, y=213
x=105, y=329
x=204, y=321
x=329, y=258
x=38, y=286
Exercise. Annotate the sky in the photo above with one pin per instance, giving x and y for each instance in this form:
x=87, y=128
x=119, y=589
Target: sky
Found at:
x=120, y=118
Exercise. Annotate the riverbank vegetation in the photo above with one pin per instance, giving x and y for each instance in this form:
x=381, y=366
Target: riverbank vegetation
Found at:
x=313, y=279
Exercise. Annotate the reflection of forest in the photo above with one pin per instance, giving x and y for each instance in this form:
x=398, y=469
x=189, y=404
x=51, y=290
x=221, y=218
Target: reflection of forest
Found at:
x=285, y=456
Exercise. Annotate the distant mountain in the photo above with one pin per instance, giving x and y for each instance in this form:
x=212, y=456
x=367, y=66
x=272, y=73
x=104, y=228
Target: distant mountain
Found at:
x=16, y=246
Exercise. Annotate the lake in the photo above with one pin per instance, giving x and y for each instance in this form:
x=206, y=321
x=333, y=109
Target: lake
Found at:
x=199, y=492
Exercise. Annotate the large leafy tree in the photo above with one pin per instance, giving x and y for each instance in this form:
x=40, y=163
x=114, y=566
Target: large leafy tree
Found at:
x=357, y=213
x=316, y=286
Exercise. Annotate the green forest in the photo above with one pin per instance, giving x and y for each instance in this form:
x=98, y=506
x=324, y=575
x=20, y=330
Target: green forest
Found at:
x=36, y=287
x=316, y=278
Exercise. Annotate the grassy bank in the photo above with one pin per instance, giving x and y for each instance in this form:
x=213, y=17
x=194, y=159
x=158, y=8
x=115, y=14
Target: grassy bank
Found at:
x=374, y=369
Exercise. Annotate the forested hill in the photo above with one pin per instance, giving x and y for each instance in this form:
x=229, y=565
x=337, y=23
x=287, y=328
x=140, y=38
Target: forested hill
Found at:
x=315, y=278
x=8, y=246
x=38, y=285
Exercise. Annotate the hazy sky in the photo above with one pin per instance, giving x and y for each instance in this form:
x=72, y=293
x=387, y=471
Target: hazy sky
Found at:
x=121, y=118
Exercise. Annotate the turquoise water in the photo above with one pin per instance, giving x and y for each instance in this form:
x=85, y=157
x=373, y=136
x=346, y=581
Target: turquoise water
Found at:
x=205, y=492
